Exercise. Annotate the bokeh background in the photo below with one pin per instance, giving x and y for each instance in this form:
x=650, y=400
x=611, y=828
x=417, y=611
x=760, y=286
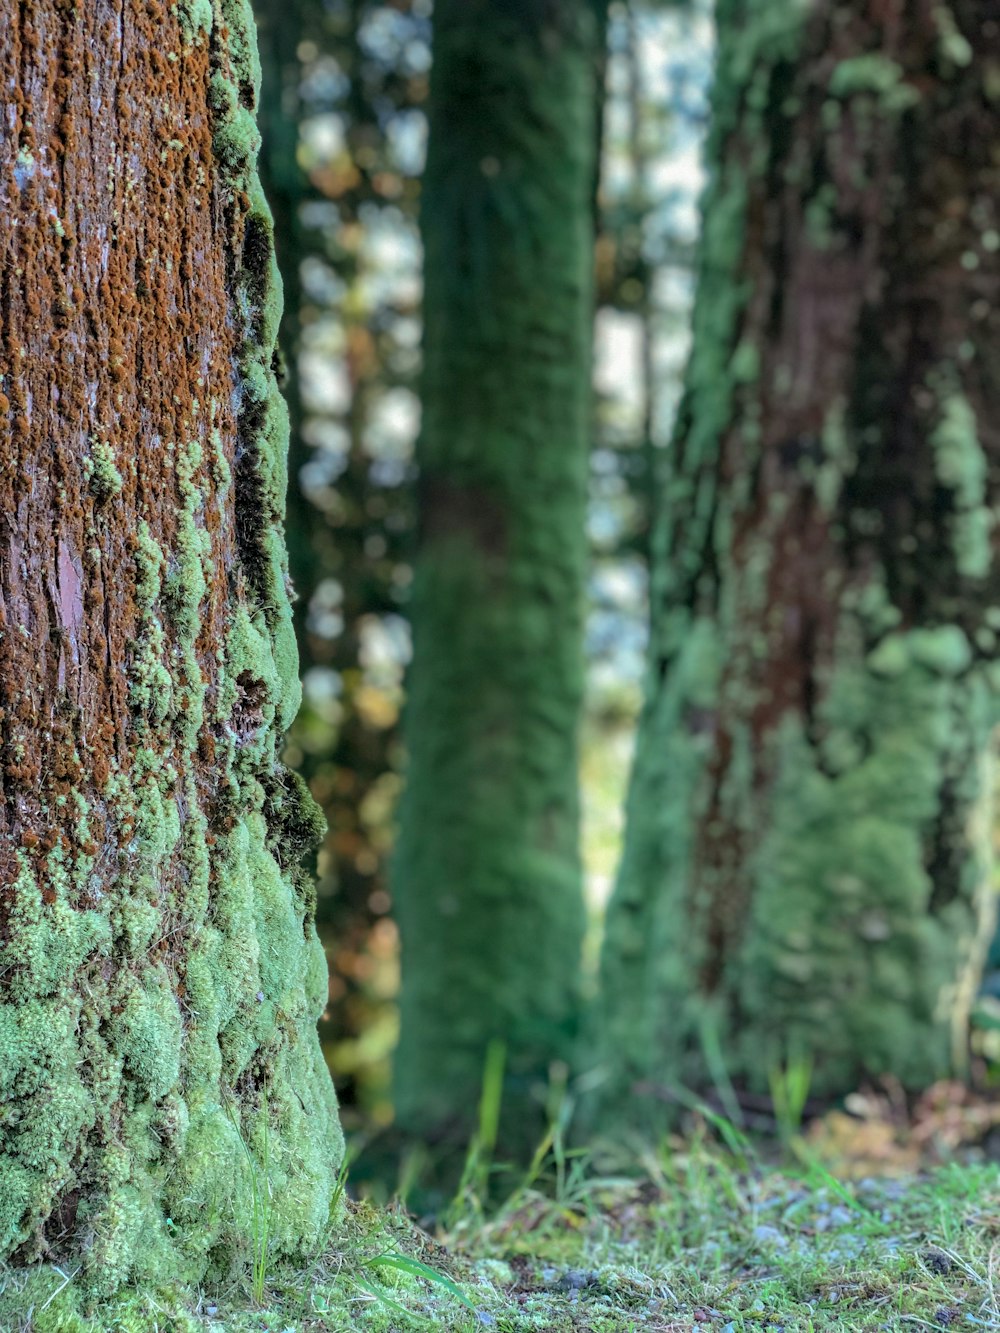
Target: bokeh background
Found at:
x=343, y=116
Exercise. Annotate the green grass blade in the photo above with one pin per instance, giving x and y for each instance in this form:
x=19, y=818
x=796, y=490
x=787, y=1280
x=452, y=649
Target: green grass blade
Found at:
x=387, y=1301
x=404, y=1264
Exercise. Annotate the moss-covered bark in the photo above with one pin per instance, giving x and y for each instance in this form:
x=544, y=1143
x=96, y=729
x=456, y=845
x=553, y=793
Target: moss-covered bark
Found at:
x=487, y=884
x=160, y=977
x=808, y=866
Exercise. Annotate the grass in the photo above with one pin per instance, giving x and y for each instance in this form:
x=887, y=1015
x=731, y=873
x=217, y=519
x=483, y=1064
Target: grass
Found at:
x=703, y=1242
x=260, y=1193
x=695, y=1234
x=479, y=1159
x=789, y=1094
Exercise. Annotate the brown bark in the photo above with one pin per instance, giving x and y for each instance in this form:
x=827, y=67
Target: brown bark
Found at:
x=114, y=336
x=814, y=771
x=158, y=976
x=863, y=323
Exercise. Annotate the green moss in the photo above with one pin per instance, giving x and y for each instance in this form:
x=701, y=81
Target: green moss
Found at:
x=237, y=141
x=160, y=1001
x=841, y=942
x=945, y=650
x=149, y=564
x=148, y=1031
x=47, y=942
x=891, y=657
x=745, y=365
x=954, y=45
x=242, y=48
x=223, y=96
x=195, y=18
x=487, y=866
x=264, y=287
x=256, y=384
x=840, y=956
x=961, y=466
x=100, y=470
x=798, y=865
x=878, y=75
x=37, y=1050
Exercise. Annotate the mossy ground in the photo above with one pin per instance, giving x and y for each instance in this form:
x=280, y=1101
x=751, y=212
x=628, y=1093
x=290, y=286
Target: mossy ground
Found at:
x=693, y=1235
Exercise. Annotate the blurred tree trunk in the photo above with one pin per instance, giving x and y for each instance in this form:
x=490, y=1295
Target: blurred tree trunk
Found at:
x=160, y=976
x=347, y=528
x=809, y=863
x=487, y=871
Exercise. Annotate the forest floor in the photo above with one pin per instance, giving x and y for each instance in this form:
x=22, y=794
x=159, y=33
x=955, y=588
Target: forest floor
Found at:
x=856, y=1224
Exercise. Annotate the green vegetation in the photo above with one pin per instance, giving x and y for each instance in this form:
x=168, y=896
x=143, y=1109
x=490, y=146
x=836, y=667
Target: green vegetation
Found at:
x=693, y=1235
x=809, y=880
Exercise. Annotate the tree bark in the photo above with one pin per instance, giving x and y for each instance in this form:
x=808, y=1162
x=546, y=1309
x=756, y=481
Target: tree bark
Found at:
x=487, y=873
x=808, y=866
x=160, y=977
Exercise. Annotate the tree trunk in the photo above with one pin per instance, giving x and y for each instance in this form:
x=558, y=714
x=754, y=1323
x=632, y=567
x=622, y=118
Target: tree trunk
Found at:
x=351, y=529
x=160, y=976
x=808, y=864
x=488, y=882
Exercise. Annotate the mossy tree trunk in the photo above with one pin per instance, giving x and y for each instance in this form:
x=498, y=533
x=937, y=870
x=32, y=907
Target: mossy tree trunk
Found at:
x=808, y=869
x=487, y=873
x=160, y=977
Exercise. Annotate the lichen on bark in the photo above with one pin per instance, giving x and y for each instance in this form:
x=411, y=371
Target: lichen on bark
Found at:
x=808, y=871
x=160, y=977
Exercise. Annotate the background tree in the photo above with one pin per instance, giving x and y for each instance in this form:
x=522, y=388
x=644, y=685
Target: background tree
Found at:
x=808, y=868
x=160, y=975
x=342, y=120
x=343, y=124
x=487, y=879
x=658, y=76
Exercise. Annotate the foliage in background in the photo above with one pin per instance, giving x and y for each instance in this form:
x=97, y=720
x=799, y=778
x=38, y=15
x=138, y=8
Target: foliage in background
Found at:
x=360, y=289
x=344, y=134
x=344, y=128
